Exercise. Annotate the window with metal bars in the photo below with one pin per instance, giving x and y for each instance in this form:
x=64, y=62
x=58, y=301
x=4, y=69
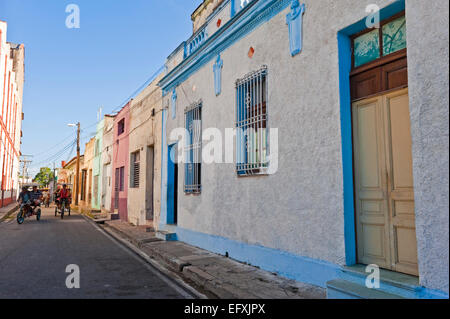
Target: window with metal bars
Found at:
x=193, y=149
x=251, y=124
x=135, y=169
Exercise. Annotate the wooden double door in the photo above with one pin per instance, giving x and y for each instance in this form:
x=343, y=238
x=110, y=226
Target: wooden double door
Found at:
x=384, y=192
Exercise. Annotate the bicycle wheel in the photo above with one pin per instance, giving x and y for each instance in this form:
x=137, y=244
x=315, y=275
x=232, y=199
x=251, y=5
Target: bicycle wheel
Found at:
x=63, y=207
x=20, y=217
x=38, y=215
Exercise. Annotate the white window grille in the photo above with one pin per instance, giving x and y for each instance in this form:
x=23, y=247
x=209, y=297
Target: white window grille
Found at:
x=193, y=149
x=251, y=124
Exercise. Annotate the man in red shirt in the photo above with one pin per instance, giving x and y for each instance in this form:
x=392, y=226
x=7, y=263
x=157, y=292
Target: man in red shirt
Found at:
x=64, y=195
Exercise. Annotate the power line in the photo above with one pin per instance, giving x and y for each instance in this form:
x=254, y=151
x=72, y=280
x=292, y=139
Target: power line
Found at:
x=146, y=83
x=53, y=147
x=70, y=153
x=57, y=155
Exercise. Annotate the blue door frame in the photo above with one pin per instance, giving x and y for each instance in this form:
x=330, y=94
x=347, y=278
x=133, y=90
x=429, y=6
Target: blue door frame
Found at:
x=345, y=66
x=171, y=186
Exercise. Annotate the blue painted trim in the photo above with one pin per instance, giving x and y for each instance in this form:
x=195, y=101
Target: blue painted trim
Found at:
x=385, y=13
x=249, y=18
x=404, y=290
x=299, y=268
x=344, y=51
x=217, y=68
x=294, y=20
x=174, y=103
x=170, y=186
x=345, y=59
x=425, y=293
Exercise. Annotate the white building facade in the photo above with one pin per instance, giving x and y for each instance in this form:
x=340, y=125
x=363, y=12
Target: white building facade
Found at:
x=11, y=116
x=340, y=145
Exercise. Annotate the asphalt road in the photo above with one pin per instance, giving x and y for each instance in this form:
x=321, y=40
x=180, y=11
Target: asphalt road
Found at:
x=34, y=257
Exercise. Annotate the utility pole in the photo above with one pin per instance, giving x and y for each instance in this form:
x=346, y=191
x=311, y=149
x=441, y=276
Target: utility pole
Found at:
x=77, y=186
x=54, y=181
x=25, y=162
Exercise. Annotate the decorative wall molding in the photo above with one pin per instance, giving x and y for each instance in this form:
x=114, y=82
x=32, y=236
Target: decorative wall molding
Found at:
x=174, y=103
x=295, y=22
x=249, y=18
x=217, y=68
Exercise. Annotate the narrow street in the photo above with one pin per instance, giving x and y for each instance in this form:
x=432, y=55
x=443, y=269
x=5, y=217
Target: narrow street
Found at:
x=34, y=257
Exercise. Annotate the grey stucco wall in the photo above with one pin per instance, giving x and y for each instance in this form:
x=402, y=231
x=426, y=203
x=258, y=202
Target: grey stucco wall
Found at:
x=299, y=209
x=428, y=63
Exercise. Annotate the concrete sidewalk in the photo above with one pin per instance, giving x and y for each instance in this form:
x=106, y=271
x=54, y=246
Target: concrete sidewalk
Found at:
x=6, y=211
x=217, y=276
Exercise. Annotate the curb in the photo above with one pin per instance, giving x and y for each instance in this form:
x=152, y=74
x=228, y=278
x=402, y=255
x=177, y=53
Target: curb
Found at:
x=160, y=267
x=9, y=213
x=134, y=241
x=188, y=273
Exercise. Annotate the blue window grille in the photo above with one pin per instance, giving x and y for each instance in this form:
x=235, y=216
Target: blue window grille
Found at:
x=251, y=124
x=193, y=149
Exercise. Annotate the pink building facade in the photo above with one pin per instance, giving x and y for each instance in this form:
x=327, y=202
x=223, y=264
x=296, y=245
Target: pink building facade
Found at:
x=120, y=162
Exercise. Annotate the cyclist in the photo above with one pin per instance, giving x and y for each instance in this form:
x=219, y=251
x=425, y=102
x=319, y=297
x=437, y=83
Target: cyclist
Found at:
x=24, y=195
x=36, y=197
x=25, y=199
x=64, y=195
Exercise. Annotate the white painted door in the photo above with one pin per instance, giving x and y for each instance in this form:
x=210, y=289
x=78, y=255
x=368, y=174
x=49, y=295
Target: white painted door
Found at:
x=384, y=183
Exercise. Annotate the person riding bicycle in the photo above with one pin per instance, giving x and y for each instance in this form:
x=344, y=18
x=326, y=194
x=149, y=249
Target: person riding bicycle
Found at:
x=24, y=195
x=64, y=195
x=36, y=197
x=25, y=198
x=56, y=196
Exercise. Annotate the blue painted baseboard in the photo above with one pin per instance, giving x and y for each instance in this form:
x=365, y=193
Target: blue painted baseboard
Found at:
x=288, y=265
x=299, y=268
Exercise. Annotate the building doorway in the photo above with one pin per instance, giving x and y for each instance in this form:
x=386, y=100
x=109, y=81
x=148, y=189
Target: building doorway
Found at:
x=384, y=191
x=382, y=148
x=172, y=186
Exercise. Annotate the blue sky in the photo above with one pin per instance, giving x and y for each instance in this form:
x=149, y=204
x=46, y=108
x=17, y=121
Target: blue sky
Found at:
x=70, y=73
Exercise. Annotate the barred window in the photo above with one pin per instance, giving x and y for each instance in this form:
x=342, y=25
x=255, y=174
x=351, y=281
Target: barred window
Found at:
x=135, y=169
x=251, y=124
x=193, y=149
